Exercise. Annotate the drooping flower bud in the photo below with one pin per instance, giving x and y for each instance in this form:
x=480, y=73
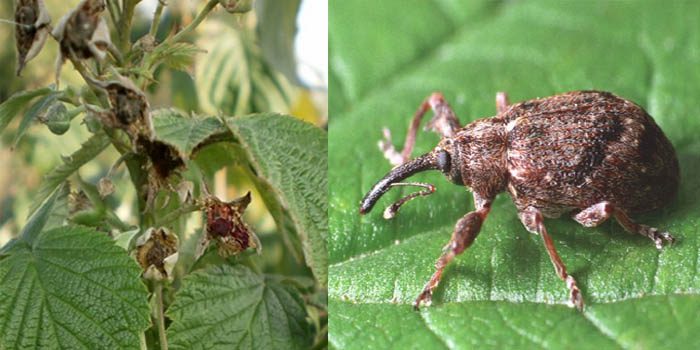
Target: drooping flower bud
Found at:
x=83, y=33
x=31, y=29
x=156, y=252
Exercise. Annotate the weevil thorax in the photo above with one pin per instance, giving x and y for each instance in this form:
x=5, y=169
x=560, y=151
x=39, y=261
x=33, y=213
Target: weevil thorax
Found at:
x=476, y=156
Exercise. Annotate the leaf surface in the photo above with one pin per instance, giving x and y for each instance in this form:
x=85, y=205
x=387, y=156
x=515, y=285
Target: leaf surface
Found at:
x=182, y=131
x=290, y=157
x=502, y=292
x=225, y=307
x=71, y=287
x=11, y=107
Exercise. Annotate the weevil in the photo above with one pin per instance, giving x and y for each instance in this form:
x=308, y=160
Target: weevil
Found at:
x=588, y=154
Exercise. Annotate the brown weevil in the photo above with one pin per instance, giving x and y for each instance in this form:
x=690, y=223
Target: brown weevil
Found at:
x=589, y=154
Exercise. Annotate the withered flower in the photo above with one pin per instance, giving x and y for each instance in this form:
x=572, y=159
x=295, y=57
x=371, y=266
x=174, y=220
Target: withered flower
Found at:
x=83, y=33
x=164, y=158
x=31, y=29
x=225, y=225
x=156, y=252
x=129, y=106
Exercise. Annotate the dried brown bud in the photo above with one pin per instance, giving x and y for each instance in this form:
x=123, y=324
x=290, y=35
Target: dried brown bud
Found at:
x=78, y=201
x=164, y=157
x=105, y=187
x=156, y=252
x=31, y=30
x=225, y=225
x=83, y=33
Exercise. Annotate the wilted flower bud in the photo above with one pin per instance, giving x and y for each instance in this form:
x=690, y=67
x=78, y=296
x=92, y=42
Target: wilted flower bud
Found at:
x=82, y=33
x=31, y=30
x=225, y=226
x=164, y=158
x=156, y=252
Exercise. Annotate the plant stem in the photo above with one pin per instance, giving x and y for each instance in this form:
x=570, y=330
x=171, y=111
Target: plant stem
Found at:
x=173, y=215
x=197, y=20
x=114, y=11
x=125, y=25
x=160, y=318
x=156, y=19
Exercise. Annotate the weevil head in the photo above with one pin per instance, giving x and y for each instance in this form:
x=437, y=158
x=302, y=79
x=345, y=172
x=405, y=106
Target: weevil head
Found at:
x=419, y=164
x=448, y=160
x=475, y=157
x=440, y=158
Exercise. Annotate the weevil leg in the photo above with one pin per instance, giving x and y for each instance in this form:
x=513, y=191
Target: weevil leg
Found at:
x=501, y=102
x=534, y=222
x=466, y=230
x=596, y=214
x=391, y=210
x=444, y=122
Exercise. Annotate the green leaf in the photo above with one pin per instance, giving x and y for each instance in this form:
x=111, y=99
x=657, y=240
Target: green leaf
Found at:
x=290, y=156
x=71, y=288
x=183, y=131
x=277, y=28
x=178, y=56
x=503, y=292
x=89, y=150
x=33, y=112
x=11, y=107
x=233, y=77
x=226, y=307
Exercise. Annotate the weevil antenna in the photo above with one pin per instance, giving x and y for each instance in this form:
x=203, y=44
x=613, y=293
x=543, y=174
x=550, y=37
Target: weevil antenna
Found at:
x=391, y=210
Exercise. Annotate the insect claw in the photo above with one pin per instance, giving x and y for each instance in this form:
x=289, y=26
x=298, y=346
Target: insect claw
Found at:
x=389, y=150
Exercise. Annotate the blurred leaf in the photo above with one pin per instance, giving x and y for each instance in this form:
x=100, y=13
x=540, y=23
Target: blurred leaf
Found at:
x=234, y=79
x=179, y=56
x=59, y=212
x=503, y=292
x=277, y=28
x=183, y=131
x=11, y=107
x=290, y=156
x=225, y=307
x=213, y=157
x=71, y=288
x=36, y=222
x=33, y=112
x=89, y=150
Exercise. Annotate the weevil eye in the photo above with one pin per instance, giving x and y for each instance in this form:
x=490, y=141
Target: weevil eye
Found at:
x=444, y=161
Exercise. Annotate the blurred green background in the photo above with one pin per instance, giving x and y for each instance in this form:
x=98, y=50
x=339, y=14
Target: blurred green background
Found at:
x=387, y=56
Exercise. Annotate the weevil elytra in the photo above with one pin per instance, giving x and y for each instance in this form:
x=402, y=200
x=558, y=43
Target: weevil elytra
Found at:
x=589, y=154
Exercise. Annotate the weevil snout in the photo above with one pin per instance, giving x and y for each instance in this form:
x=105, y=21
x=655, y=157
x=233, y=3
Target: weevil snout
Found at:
x=429, y=161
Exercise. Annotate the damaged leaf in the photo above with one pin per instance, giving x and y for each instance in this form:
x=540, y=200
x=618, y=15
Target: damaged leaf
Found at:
x=31, y=29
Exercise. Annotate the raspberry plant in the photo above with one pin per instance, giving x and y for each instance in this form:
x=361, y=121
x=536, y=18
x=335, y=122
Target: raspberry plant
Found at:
x=187, y=269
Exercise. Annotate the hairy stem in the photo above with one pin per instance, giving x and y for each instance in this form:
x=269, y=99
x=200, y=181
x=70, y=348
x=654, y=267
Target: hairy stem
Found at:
x=156, y=19
x=125, y=25
x=160, y=318
x=114, y=11
x=197, y=20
